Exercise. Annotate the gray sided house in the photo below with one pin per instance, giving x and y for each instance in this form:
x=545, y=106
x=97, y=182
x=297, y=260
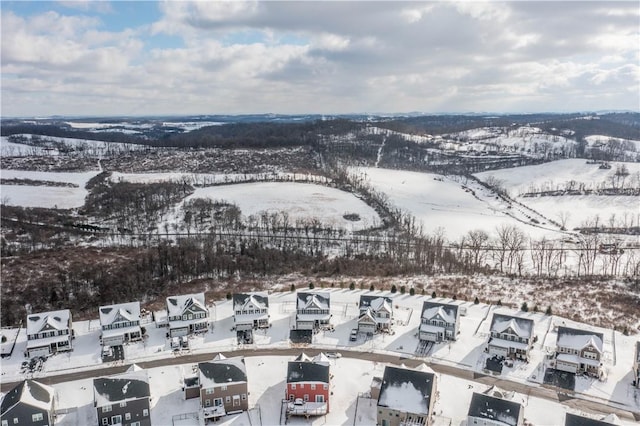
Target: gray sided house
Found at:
x=376, y=314
x=636, y=366
x=579, y=351
x=406, y=397
x=250, y=310
x=48, y=333
x=439, y=322
x=123, y=399
x=576, y=420
x=313, y=310
x=29, y=403
x=511, y=337
x=223, y=386
x=492, y=411
x=187, y=314
x=120, y=323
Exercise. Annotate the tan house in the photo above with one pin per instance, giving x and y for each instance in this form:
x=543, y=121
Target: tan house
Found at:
x=406, y=397
x=223, y=386
x=48, y=333
x=579, y=351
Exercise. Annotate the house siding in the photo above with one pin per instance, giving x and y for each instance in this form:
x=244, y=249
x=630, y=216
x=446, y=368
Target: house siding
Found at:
x=135, y=407
x=304, y=388
x=237, y=389
x=24, y=413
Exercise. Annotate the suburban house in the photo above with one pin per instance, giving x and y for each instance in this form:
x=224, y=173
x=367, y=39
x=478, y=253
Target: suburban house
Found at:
x=48, y=333
x=579, y=351
x=491, y=411
x=313, y=310
x=406, y=397
x=223, y=386
x=636, y=366
x=120, y=323
x=123, y=399
x=250, y=311
x=187, y=314
x=576, y=420
x=376, y=313
x=29, y=403
x=308, y=382
x=439, y=322
x=511, y=337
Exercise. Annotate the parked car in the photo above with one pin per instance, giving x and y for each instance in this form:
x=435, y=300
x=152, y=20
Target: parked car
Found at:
x=333, y=354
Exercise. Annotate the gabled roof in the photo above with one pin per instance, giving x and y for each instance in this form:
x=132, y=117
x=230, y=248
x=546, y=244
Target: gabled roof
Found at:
x=576, y=420
x=318, y=300
x=499, y=410
x=522, y=327
x=119, y=312
x=375, y=302
x=448, y=312
x=579, y=339
x=177, y=305
x=31, y=393
x=367, y=317
x=130, y=385
x=241, y=301
x=305, y=370
x=222, y=370
x=406, y=390
x=54, y=320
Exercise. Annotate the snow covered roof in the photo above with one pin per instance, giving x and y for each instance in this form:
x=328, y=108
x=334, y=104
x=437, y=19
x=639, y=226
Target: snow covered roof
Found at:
x=130, y=385
x=244, y=301
x=579, y=339
x=576, y=420
x=366, y=317
x=522, y=327
x=31, y=393
x=496, y=409
x=317, y=300
x=406, y=390
x=375, y=303
x=307, y=371
x=448, y=312
x=120, y=312
x=222, y=371
x=54, y=320
x=176, y=305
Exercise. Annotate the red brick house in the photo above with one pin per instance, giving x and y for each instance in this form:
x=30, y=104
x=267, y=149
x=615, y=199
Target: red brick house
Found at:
x=308, y=383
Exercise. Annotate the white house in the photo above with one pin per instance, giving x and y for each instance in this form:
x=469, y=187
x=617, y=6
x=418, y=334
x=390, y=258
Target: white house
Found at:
x=579, y=351
x=376, y=313
x=250, y=310
x=487, y=410
x=313, y=310
x=439, y=322
x=187, y=314
x=511, y=337
x=48, y=333
x=120, y=323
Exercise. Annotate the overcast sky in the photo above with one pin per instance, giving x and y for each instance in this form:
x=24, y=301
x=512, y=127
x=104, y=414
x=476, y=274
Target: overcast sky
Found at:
x=145, y=58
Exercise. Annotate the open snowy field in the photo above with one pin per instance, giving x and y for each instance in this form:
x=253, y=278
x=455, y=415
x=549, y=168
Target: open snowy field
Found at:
x=210, y=178
x=51, y=143
x=266, y=376
x=439, y=202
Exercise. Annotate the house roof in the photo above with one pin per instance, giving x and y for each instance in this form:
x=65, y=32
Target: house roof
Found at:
x=523, y=327
x=31, y=393
x=307, y=371
x=317, y=300
x=130, y=385
x=54, y=320
x=579, y=339
x=242, y=300
x=576, y=420
x=176, y=305
x=222, y=371
x=119, y=312
x=366, y=317
x=448, y=312
x=406, y=390
x=375, y=302
x=499, y=410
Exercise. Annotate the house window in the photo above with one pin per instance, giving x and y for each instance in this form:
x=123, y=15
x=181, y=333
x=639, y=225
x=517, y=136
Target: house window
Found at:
x=207, y=402
x=37, y=417
x=123, y=404
x=319, y=398
x=325, y=387
x=209, y=391
x=244, y=396
x=116, y=419
x=313, y=386
x=227, y=399
x=145, y=412
x=217, y=402
x=106, y=408
x=293, y=386
x=127, y=416
x=105, y=420
x=5, y=423
x=135, y=424
x=224, y=388
x=306, y=397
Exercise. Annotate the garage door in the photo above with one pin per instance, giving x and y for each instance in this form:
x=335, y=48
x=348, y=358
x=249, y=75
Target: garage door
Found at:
x=429, y=337
x=36, y=352
x=499, y=351
x=113, y=341
x=177, y=332
x=565, y=366
x=367, y=328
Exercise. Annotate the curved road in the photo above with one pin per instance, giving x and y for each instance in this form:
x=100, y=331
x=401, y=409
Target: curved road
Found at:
x=536, y=391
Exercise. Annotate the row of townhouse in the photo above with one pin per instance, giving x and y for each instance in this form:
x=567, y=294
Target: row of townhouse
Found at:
x=511, y=337
x=404, y=396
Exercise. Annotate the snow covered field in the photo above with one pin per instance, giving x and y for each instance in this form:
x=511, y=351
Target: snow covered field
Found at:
x=350, y=376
